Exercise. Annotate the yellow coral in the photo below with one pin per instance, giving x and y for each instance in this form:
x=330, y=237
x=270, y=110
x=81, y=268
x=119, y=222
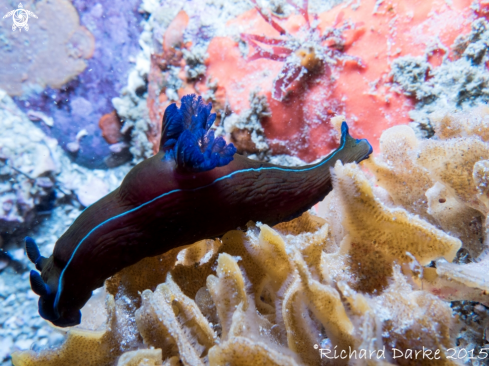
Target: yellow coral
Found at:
x=392, y=231
x=448, y=211
x=227, y=290
x=300, y=308
x=396, y=170
x=142, y=357
x=462, y=124
x=353, y=280
x=451, y=162
x=241, y=351
x=167, y=319
x=327, y=306
x=82, y=347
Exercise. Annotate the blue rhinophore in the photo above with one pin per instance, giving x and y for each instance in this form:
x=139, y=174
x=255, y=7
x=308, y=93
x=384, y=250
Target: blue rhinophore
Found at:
x=186, y=137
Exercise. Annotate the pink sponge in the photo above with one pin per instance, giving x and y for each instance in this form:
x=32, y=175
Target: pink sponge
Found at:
x=353, y=80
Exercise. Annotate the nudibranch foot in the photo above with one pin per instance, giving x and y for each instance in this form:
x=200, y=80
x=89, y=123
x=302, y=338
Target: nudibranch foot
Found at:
x=194, y=188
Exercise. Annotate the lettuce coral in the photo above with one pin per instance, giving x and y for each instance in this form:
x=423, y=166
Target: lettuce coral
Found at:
x=451, y=170
x=273, y=315
x=374, y=270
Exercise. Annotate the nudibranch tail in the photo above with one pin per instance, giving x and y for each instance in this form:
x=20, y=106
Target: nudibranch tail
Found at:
x=186, y=137
x=352, y=149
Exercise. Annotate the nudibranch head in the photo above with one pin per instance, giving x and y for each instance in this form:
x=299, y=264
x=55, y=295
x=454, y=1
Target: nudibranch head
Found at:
x=47, y=291
x=186, y=137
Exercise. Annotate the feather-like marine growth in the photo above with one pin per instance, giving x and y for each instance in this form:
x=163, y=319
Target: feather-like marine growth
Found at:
x=195, y=187
x=186, y=137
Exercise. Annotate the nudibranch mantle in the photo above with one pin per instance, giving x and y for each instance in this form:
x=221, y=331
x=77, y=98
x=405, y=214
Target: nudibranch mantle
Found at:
x=195, y=187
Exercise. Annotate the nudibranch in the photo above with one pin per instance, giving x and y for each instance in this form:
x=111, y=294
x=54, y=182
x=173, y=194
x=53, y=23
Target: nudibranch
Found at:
x=195, y=187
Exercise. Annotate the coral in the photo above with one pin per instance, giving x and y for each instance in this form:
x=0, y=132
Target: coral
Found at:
x=406, y=185
x=461, y=124
x=56, y=32
x=371, y=236
x=301, y=56
x=447, y=211
x=452, y=170
x=377, y=33
x=373, y=272
x=104, y=345
x=88, y=347
x=451, y=162
x=171, y=321
x=457, y=82
x=251, y=309
x=143, y=357
x=246, y=130
x=367, y=219
x=441, y=180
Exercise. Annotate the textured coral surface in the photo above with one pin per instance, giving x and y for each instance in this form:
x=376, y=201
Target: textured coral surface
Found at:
x=380, y=266
x=307, y=67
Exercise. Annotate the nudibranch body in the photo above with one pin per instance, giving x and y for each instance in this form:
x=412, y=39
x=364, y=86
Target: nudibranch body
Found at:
x=195, y=187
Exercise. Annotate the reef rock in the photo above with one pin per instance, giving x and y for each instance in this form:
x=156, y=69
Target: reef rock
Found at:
x=30, y=55
x=103, y=47
x=306, y=66
x=27, y=167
